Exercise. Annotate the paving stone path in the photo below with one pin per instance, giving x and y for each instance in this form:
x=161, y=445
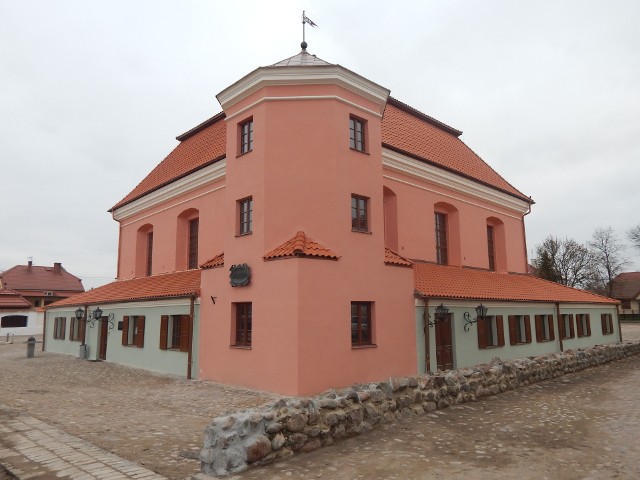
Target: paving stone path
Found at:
x=581, y=426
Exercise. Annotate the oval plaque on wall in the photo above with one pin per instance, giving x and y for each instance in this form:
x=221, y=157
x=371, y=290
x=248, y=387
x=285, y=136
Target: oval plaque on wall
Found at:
x=240, y=275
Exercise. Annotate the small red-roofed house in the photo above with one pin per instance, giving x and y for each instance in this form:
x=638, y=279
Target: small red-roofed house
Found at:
x=17, y=315
x=362, y=239
x=626, y=288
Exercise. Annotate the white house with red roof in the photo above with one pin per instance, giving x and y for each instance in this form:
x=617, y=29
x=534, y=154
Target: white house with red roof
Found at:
x=318, y=233
x=18, y=316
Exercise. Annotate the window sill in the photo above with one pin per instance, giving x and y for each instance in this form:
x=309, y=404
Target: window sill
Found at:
x=133, y=346
x=544, y=341
x=243, y=154
x=360, y=347
x=240, y=347
x=366, y=232
x=243, y=234
x=491, y=347
x=359, y=151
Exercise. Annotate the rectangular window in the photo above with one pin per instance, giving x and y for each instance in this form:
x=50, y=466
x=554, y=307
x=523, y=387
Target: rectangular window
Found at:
x=359, y=221
x=607, y=323
x=13, y=321
x=490, y=250
x=361, y=324
x=149, y=252
x=519, y=329
x=490, y=332
x=194, y=225
x=59, y=327
x=567, y=326
x=75, y=329
x=245, y=207
x=442, y=256
x=175, y=332
x=357, y=134
x=133, y=331
x=544, y=328
x=246, y=136
x=583, y=324
x=243, y=322
x=625, y=304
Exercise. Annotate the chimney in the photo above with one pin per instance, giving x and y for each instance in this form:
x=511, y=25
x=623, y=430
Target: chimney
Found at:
x=57, y=267
x=30, y=259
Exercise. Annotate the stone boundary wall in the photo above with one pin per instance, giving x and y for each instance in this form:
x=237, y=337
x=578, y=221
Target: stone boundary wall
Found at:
x=295, y=425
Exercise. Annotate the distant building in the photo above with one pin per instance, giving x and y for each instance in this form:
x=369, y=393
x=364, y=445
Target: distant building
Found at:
x=626, y=288
x=39, y=285
x=18, y=316
x=318, y=233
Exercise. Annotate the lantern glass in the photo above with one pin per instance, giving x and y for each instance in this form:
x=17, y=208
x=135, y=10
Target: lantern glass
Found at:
x=79, y=313
x=481, y=310
x=97, y=313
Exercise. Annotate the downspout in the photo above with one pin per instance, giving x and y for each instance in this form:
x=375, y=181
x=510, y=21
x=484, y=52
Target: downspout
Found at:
x=524, y=236
x=425, y=327
x=193, y=323
x=560, y=326
x=84, y=329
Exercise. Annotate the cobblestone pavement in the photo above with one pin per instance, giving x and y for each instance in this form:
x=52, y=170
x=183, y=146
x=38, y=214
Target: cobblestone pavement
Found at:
x=154, y=420
x=578, y=426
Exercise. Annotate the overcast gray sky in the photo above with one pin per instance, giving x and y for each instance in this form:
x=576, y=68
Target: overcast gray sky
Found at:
x=93, y=94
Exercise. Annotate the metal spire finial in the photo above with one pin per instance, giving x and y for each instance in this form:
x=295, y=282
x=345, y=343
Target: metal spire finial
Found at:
x=305, y=19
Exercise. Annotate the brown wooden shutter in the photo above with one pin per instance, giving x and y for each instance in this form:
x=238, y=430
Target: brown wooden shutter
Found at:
x=539, y=328
x=125, y=330
x=572, y=332
x=552, y=333
x=140, y=336
x=579, y=325
x=64, y=326
x=513, y=330
x=82, y=329
x=588, y=332
x=185, y=333
x=482, y=333
x=527, y=327
x=500, y=329
x=164, y=331
x=603, y=321
x=71, y=326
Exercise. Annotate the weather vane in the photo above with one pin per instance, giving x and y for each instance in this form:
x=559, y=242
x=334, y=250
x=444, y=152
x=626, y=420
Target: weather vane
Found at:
x=305, y=19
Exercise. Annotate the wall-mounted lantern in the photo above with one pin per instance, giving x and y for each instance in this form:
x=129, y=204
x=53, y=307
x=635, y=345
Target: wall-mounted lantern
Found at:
x=481, y=312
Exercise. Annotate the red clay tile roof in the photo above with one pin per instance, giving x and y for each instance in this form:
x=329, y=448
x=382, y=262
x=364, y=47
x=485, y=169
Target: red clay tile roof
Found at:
x=177, y=284
x=39, y=279
x=11, y=299
x=466, y=283
x=217, y=261
x=408, y=131
x=199, y=147
x=626, y=286
x=300, y=246
x=393, y=258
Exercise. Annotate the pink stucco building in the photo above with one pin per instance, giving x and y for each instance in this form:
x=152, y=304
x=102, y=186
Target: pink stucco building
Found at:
x=302, y=239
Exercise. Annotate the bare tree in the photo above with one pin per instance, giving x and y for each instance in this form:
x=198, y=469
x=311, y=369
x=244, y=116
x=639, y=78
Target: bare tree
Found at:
x=564, y=261
x=634, y=236
x=608, y=254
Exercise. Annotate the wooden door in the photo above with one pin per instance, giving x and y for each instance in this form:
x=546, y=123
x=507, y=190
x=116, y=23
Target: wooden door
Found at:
x=104, y=335
x=444, y=344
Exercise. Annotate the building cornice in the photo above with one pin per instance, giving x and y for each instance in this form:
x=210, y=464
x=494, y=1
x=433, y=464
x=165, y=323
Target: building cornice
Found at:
x=301, y=75
x=174, y=189
x=415, y=168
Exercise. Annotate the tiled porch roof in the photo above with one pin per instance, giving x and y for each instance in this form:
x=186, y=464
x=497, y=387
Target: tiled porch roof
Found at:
x=300, y=246
x=178, y=284
x=467, y=283
x=217, y=261
x=12, y=299
x=391, y=257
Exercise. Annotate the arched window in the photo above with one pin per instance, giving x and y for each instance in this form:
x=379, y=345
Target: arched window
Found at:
x=496, y=247
x=144, y=251
x=390, y=203
x=187, y=240
x=447, y=234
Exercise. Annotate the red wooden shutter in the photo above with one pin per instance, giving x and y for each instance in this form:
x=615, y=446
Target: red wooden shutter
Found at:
x=185, y=333
x=588, y=332
x=500, y=329
x=513, y=330
x=164, y=331
x=140, y=336
x=539, y=328
x=552, y=334
x=572, y=332
x=482, y=333
x=125, y=330
x=527, y=327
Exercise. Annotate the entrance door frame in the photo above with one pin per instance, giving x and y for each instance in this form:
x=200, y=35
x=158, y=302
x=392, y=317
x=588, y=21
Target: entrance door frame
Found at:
x=444, y=343
x=103, y=338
